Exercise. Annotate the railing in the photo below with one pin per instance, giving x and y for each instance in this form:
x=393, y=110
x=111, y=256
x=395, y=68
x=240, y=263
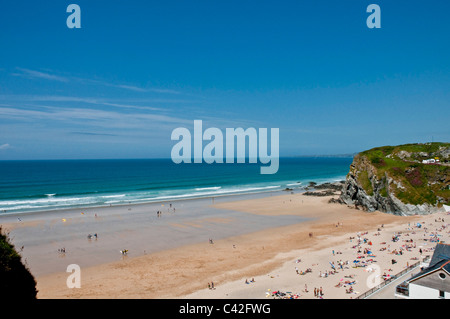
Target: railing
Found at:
x=388, y=281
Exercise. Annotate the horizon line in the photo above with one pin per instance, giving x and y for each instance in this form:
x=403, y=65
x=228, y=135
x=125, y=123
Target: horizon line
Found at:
x=346, y=155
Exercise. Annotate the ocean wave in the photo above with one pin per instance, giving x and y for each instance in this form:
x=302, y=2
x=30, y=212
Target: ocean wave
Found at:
x=55, y=202
x=222, y=192
x=48, y=202
x=208, y=188
x=37, y=207
x=51, y=201
x=113, y=196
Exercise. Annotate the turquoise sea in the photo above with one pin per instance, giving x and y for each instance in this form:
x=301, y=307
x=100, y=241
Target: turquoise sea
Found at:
x=27, y=186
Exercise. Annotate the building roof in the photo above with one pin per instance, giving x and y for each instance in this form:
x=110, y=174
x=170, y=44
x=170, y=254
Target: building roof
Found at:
x=441, y=252
x=439, y=260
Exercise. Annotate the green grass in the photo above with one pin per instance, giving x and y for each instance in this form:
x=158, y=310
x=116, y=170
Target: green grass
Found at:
x=364, y=181
x=383, y=191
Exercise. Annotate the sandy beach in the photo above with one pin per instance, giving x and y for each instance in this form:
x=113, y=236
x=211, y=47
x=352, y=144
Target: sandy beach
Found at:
x=268, y=240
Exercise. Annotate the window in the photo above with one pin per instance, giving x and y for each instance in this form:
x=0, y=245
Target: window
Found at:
x=441, y=294
x=442, y=275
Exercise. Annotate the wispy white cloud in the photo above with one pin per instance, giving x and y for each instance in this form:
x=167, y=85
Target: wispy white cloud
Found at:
x=99, y=114
x=139, y=89
x=91, y=117
x=23, y=72
x=30, y=100
x=92, y=134
x=95, y=101
x=40, y=75
x=4, y=146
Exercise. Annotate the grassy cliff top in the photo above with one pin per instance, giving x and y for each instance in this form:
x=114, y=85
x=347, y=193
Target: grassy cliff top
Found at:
x=416, y=182
x=411, y=152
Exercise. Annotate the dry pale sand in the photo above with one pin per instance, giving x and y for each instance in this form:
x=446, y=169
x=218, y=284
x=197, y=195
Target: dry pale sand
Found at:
x=335, y=243
x=269, y=256
x=291, y=279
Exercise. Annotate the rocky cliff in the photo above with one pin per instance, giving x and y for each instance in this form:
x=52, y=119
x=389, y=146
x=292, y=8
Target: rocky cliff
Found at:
x=404, y=180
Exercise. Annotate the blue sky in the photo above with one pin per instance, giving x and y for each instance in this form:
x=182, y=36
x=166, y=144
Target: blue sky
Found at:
x=136, y=70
